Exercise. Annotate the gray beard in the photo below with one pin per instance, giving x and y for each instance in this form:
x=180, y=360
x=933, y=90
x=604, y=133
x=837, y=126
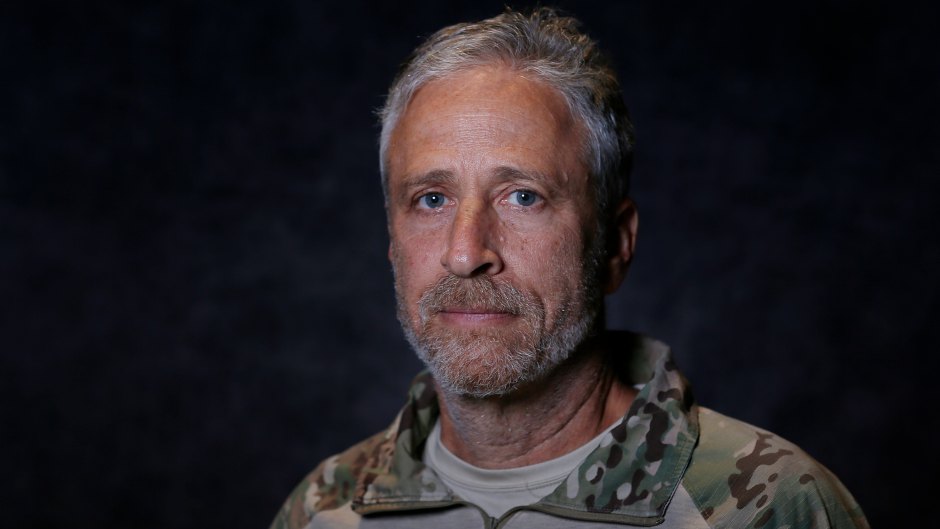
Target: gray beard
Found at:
x=496, y=362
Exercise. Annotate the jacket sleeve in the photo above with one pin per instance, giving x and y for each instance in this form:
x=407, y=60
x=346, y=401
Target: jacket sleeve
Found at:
x=744, y=477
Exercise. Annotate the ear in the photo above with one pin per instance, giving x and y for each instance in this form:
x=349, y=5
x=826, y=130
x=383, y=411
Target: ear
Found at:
x=621, y=240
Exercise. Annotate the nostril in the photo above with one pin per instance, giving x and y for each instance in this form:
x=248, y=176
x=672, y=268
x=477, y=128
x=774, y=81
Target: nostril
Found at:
x=482, y=269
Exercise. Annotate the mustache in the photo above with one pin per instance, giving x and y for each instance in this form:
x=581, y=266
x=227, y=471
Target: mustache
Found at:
x=479, y=293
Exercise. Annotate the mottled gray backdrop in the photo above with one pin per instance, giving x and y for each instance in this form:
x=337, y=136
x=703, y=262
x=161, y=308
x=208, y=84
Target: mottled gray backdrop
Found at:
x=196, y=306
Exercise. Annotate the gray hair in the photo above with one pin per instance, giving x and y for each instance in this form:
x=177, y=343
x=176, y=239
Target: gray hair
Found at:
x=550, y=48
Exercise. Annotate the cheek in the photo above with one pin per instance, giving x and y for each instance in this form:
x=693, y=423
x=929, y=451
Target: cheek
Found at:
x=549, y=261
x=416, y=265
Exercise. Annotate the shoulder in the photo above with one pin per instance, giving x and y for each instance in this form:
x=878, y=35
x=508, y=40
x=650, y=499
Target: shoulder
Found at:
x=335, y=481
x=743, y=476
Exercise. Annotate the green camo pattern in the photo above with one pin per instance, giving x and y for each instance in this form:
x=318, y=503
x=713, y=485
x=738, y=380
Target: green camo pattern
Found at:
x=739, y=476
x=742, y=476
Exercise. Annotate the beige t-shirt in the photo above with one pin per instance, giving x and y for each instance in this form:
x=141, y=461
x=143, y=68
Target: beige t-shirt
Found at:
x=497, y=491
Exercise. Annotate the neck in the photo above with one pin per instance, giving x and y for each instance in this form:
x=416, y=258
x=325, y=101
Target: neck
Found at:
x=568, y=408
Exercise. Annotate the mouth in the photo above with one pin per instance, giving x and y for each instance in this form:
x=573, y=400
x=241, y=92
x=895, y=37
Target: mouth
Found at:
x=473, y=317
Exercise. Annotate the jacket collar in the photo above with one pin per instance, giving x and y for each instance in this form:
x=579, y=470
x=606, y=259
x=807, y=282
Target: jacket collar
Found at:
x=630, y=477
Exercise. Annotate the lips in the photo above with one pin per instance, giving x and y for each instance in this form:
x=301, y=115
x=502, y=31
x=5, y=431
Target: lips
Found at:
x=472, y=317
x=474, y=310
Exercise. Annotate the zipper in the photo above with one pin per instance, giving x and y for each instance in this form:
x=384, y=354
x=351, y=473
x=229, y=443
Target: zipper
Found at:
x=488, y=521
x=579, y=515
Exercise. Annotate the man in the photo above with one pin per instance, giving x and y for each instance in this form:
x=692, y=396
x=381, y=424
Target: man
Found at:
x=505, y=154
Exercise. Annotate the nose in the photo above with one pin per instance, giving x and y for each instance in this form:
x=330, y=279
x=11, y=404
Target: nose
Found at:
x=472, y=243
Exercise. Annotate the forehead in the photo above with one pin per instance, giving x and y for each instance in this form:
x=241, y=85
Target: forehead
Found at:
x=489, y=88
x=482, y=116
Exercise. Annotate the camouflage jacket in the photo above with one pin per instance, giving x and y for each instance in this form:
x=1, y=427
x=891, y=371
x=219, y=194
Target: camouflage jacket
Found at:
x=669, y=462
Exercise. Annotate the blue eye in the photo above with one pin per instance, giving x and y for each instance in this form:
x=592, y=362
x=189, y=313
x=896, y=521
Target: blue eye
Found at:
x=432, y=200
x=523, y=197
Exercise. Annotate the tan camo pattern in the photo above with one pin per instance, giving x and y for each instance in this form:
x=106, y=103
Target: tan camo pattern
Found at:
x=739, y=476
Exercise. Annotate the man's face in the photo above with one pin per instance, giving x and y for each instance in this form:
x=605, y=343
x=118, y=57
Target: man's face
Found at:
x=492, y=225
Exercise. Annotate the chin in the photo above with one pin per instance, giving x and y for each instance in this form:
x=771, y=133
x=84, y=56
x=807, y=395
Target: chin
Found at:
x=485, y=366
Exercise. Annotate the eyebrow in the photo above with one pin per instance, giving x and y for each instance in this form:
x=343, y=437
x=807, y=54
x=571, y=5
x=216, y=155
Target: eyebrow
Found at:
x=435, y=177
x=505, y=173
x=444, y=177
x=431, y=178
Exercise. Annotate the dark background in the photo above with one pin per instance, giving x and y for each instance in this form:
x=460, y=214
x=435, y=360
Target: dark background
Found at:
x=196, y=306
